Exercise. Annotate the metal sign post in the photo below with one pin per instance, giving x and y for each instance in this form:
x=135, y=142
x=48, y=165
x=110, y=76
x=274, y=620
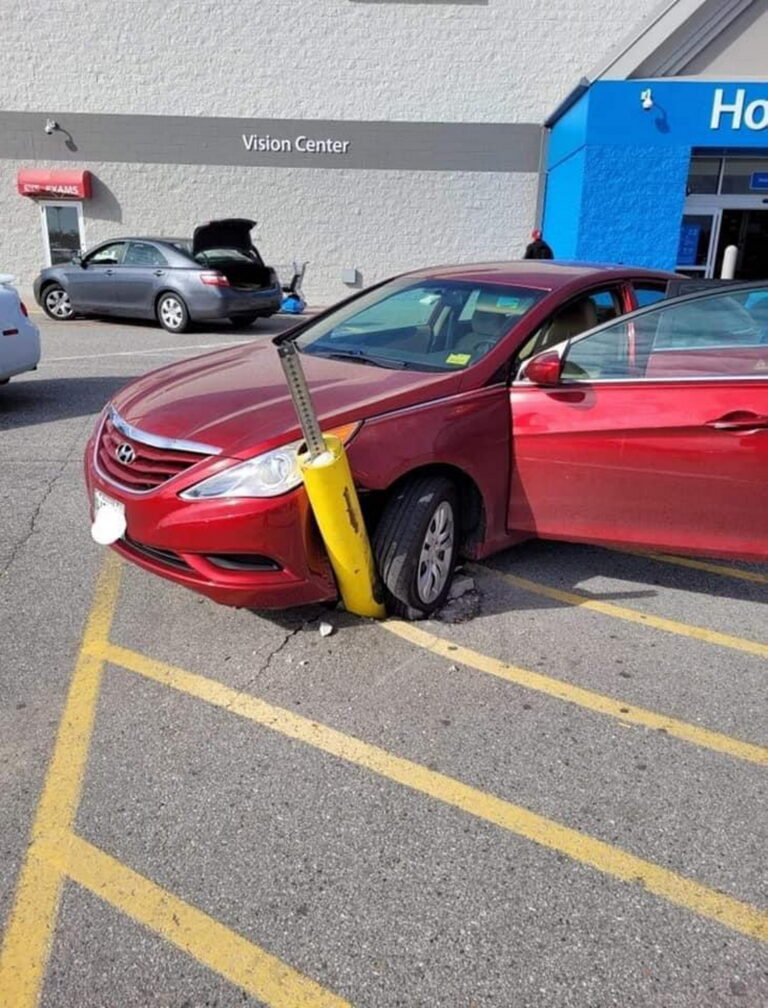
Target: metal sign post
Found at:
x=297, y=386
x=331, y=492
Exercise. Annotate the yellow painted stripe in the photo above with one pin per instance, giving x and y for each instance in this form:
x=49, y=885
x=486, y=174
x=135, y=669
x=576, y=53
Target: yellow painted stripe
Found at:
x=726, y=910
x=246, y=965
x=710, y=568
x=33, y=917
x=630, y=615
x=597, y=702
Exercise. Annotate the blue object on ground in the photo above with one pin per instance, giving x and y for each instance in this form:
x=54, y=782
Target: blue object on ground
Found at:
x=293, y=305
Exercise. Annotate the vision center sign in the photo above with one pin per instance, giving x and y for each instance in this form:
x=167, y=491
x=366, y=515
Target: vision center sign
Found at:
x=274, y=143
x=302, y=144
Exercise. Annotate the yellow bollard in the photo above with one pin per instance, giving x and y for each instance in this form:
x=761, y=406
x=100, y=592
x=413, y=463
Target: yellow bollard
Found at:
x=331, y=491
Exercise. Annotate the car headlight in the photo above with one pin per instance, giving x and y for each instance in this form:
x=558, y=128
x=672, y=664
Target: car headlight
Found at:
x=268, y=475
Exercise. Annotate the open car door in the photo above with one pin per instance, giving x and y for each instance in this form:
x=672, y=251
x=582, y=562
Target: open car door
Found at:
x=651, y=431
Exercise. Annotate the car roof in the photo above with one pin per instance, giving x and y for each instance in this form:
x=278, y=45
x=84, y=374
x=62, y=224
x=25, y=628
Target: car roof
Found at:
x=546, y=274
x=144, y=238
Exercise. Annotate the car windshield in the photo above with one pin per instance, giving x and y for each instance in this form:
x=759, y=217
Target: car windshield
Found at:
x=426, y=325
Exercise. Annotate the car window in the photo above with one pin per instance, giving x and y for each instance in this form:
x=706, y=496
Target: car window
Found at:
x=431, y=325
x=144, y=254
x=576, y=316
x=222, y=255
x=708, y=336
x=648, y=294
x=108, y=255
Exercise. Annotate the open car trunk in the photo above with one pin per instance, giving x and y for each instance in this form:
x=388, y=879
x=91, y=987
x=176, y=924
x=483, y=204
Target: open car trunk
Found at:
x=225, y=245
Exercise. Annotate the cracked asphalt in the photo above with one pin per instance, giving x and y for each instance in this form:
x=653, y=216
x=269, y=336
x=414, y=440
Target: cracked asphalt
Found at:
x=380, y=892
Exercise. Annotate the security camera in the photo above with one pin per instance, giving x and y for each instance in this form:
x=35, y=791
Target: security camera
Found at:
x=51, y=126
x=646, y=99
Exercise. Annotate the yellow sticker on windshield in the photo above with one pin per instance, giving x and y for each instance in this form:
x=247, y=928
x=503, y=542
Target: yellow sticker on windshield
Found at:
x=458, y=358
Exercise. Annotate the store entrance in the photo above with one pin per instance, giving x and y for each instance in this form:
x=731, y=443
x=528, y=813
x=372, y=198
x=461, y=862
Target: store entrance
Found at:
x=748, y=231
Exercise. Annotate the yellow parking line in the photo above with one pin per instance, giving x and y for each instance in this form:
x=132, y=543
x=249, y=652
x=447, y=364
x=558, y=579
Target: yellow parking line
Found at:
x=30, y=926
x=589, y=699
x=710, y=568
x=630, y=615
x=581, y=847
x=245, y=964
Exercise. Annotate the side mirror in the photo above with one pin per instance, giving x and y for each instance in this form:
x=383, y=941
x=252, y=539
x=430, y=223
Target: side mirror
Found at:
x=77, y=260
x=544, y=369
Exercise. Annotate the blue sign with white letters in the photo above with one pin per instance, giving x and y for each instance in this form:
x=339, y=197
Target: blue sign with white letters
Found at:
x=689, y=244
x=759, y=181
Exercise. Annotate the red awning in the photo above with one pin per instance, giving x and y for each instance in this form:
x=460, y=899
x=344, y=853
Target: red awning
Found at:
x=59, y=184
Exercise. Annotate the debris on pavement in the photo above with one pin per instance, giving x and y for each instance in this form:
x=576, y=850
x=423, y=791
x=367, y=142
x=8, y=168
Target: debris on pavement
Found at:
x=461, y=586
x=326, y=629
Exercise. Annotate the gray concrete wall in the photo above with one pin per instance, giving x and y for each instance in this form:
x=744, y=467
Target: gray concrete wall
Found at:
x=379, y=222
x=411, y=189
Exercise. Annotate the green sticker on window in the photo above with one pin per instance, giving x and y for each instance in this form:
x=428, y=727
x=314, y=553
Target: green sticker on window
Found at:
x=458, y=358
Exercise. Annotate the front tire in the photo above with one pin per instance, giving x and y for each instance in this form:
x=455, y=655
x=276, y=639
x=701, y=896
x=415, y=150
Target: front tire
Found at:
x=56, y=303
x=415, y=545
x=172, y=313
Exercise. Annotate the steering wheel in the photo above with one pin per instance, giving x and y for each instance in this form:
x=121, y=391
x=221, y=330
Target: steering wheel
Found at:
x=483, y=347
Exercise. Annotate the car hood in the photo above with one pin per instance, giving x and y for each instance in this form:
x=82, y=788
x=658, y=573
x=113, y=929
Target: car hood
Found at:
x=237, y=400
x=231, y=233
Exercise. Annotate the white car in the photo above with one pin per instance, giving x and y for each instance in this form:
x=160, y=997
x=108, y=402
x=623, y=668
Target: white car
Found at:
x=19, y=338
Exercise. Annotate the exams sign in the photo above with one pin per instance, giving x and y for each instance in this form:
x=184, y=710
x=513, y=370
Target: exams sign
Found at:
x=302, y=144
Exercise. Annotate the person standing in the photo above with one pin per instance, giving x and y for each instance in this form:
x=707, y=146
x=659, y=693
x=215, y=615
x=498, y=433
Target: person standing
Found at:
x=538, y=248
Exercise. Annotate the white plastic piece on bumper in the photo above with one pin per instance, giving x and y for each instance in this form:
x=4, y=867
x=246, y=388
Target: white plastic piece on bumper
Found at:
x=108, y=526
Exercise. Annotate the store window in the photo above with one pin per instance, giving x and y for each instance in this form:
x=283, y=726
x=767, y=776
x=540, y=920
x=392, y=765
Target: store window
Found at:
x=62, y=231
x=704, y=176
x=745, y=176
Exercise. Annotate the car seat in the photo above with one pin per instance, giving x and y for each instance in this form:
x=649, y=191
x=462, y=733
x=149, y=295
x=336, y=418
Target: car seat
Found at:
x=573, y=319
x=490, y=321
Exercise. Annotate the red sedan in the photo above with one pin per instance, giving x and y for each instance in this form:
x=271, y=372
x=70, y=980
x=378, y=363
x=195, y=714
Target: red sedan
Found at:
x=481, y=405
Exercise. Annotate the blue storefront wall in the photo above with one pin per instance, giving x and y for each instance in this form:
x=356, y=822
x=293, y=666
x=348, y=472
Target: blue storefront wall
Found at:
x=616, y=171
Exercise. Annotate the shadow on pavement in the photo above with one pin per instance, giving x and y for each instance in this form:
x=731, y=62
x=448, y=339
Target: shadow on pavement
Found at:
x=25, y=402
x=564, y=566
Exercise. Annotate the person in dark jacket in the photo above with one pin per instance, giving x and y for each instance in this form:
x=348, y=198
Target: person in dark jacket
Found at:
x=538, y=248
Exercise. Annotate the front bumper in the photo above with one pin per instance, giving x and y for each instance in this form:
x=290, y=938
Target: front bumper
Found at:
x=188, y=542
x=224, y=302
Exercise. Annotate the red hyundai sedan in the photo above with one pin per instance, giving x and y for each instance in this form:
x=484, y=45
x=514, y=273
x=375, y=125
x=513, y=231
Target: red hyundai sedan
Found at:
x=481, y=405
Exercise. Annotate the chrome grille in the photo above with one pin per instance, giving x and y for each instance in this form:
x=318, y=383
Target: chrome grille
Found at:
x=139, y=461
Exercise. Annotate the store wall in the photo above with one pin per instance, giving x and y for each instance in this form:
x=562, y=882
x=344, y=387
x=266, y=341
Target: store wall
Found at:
x=617, y=170
x=378, y=221
x=500, y=61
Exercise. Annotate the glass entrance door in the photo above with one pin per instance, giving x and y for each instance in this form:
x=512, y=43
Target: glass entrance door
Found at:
x=748, y=231
x=62, y=231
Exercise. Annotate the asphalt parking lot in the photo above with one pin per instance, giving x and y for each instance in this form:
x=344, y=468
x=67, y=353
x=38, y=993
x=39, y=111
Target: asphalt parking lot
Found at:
x=560, y=802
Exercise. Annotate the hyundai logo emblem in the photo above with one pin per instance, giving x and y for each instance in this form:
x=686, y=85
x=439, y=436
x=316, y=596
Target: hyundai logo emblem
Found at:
x=124, y=453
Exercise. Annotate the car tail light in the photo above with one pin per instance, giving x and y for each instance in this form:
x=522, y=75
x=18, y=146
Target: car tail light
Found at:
x=214, y=279
x=23, y=309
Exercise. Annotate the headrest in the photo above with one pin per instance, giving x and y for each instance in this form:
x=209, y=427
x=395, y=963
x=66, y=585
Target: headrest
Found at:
x=495, y=313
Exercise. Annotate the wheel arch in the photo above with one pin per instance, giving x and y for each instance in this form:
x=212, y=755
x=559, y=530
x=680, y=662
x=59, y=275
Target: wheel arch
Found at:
x=169, y=290
x=471, y=502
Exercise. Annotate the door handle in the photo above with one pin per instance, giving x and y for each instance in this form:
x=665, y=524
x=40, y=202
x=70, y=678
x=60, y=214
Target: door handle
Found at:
x=159, y=272
x=738, y=420
x=108, y=272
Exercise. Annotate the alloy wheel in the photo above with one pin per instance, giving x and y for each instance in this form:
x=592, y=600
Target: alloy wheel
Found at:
x=58, y=304
x=171, y=313
x=436, y=557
